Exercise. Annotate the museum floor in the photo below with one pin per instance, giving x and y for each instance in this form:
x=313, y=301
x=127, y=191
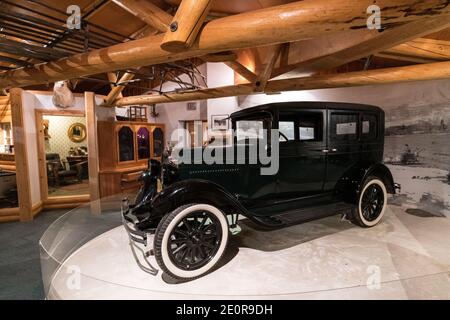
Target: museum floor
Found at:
x=20, y=271
x=324, y=259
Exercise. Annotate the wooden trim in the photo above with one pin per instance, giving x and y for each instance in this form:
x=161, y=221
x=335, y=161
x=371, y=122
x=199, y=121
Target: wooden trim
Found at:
x=37, y=208
x=21, y=155
x=9, y=218
x=294, y=21
x=66, y=200
x=9, y=212
x=93, y=159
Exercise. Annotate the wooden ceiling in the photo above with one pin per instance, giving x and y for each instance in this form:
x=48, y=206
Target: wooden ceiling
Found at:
x=34, y=32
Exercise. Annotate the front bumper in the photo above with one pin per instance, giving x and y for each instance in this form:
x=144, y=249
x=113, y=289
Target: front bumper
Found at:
x=139, y=240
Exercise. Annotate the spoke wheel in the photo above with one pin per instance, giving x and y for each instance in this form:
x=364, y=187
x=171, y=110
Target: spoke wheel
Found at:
x=195, y=240
x=371, y=204
x=190, y=241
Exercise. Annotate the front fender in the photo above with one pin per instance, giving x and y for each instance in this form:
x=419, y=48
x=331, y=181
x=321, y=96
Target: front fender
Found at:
x=194, y=191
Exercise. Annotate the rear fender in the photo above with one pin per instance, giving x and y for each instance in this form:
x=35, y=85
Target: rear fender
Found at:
x=352, y=183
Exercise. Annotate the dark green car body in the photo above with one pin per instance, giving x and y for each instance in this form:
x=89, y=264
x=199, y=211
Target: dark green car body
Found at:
x=326, y=151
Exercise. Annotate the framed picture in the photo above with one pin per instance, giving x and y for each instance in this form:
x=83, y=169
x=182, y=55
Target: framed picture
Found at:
x=77, y=132
x=219, y=122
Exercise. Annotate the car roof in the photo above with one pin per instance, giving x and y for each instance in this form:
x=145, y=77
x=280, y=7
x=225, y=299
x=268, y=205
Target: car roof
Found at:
x=307, y=105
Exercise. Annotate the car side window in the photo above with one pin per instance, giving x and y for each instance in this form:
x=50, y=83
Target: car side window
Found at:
x=287, y=130
x=369, y=130
x=301, y=126
x=344, y=126
x=310, y=127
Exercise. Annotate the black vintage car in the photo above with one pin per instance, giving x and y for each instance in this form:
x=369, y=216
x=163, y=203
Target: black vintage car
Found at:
x=329, y=162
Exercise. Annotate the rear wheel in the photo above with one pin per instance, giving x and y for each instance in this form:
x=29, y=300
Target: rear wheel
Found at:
x=372, y=203
x=190, y=241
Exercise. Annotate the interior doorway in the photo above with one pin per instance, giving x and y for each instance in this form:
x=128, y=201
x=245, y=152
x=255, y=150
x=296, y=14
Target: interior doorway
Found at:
x=63, y=154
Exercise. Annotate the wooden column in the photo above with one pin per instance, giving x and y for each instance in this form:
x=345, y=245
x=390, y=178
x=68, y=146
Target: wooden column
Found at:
x=93, y=165
x=278, y=24
x=184, y=28
x=21, y=155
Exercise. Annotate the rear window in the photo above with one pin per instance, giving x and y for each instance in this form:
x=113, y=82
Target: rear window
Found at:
x=344, y=126
x=369, y=130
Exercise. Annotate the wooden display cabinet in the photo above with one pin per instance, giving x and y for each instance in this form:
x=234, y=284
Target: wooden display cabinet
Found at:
x=125, y=148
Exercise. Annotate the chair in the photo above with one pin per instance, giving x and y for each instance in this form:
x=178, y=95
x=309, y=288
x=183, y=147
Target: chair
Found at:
x=58, y=172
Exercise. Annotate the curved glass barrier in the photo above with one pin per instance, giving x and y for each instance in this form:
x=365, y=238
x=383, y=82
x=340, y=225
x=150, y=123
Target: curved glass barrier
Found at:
x=86, y=254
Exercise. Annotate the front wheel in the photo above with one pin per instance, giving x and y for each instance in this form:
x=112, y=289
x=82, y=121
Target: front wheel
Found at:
x=190, y=241
x=372, y=203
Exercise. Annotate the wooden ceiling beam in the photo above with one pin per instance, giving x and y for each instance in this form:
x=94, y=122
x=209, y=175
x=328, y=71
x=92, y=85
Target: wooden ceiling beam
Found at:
x=147, y=12
x=420, y=50
x=265, y=74
x=116, y=91
x=186, y=24
x=286, y=23
x=421, y=72
x=346, y=48
x=241, y=70
x=112, y=77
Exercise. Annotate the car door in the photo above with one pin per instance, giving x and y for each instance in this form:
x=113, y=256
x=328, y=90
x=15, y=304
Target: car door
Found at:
x=251, y=186
x=343, y=145
x=302, y=166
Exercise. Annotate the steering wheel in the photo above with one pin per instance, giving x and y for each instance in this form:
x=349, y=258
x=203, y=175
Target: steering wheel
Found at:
x=282, y=135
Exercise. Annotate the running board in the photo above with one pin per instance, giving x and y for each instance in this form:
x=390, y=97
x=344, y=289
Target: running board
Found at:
x=305, y=214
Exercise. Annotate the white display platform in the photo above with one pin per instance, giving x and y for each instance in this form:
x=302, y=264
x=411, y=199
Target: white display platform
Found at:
x=324, y=259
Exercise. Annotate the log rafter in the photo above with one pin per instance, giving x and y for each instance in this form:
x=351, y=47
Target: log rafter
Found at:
x=421, y=72
x=345, y=48
x=147, y=12
x=186, y=24
x=294, y=21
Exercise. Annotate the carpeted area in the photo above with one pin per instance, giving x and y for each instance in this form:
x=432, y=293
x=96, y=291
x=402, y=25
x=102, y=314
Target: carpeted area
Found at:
x=20, y=272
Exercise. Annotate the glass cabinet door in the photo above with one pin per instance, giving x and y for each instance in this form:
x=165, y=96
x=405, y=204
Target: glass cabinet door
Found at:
x=126, y=144
x=158, y=142
x=143, y=143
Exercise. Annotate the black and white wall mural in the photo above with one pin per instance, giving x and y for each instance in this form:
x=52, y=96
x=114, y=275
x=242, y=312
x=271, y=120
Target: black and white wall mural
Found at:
x=417, y=142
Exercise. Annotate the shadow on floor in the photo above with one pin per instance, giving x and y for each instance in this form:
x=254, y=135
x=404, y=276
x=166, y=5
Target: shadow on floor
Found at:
x=20, y=271
x=279, y=239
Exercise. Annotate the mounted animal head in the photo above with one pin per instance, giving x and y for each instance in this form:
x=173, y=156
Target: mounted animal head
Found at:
x=62, y=96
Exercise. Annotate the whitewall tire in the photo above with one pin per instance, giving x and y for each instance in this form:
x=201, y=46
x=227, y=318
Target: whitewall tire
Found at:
x=191, y=240
x=372, y=203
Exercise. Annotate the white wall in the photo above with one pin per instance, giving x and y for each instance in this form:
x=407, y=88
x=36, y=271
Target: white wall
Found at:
x=420, y=99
